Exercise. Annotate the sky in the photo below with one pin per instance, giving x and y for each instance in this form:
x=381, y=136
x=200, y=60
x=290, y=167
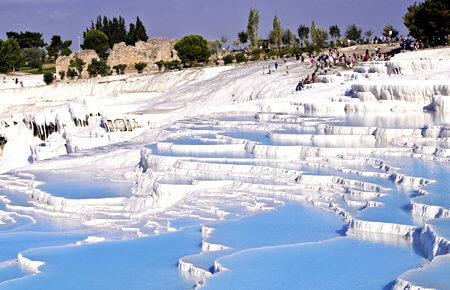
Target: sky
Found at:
x=209, y=18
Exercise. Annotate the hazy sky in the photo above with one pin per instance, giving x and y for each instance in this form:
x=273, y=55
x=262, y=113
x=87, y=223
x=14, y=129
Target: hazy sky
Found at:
x=209, y=18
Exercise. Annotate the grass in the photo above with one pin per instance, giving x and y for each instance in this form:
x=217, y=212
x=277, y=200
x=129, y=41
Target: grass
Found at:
x=45, y=68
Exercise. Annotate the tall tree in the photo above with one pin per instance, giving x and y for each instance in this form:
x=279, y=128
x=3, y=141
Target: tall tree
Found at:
x=11, y=53
x=252, y=27
x=368, y=33
x=313, y=33
x=131, y=36
x=277, y=32
x=288, y=38
x=353, y=32
x=303, y=33
x=141, y=33
x=335, y=32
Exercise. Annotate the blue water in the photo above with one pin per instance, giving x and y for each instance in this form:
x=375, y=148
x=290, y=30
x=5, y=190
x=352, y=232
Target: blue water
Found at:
x=344, y=263
x=80, y=186
x=293, y=223
x=144, y=263
x=434, y=275
x=13, y=271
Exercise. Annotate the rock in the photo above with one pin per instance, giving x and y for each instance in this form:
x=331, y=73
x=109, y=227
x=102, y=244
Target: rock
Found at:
x=63, y=62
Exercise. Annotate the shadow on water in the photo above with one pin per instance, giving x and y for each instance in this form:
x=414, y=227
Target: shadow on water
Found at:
x=389, y=285
x=343, y=230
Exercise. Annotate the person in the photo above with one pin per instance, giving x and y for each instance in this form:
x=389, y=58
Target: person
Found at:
x=21, y=84
x=276, y=65
x=17, y=81
x=4, y=79
x=299, y=86
x=270, y=71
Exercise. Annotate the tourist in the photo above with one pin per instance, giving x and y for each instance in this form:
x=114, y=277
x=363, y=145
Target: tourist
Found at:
x=276, y=65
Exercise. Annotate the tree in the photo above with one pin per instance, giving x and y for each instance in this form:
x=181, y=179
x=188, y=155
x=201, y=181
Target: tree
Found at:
x=11, y=53
x=27, y=39
x=114, y=29
x=243, y=37
x=277, y=32
x=353, y=32
x=389, y=31
x=48, y=78
x=57, y=46
x=288, y=38
x=303, y=33
x=335, y=32
x=223, y=39
x=33, y=56
x=313, y=33
x=227, y=59
x=321, y=37
x=77, y=63
x=193, y=49
x=96, y=40
x=214, y=46
x=98, y=68
x=141, y=33
x=139, y=66
x=368, y=33
x=252, y=27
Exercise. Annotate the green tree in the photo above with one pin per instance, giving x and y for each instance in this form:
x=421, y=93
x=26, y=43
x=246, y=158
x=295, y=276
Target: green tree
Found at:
x=313, y=33
x=139, y=66
x=388, y=28
x=33, y=56
x=368, y=33
x=240, y=57
x=193, y=49
x=243, y=37
x=57, y=45
x=335, y=32
x=277, y=32
x=77, y=63
x=98, y=68
x=27, y=39
x=227, y=59
x=303, y=33
x=321, y=37
x=141, y=33
x=48, y=78
x=96, y=40
x=353, y=32
x=66, y=51
x=11, y=53
x=115, y=29
x=252, y=27
x=131, y=36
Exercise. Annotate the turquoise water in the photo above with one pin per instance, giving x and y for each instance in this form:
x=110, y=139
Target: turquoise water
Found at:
x=343, y=263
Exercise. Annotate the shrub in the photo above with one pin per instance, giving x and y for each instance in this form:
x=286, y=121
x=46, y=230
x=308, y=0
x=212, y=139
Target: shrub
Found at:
x=139, y=66
x=240, y=57
x=62, y=74
x=71, y=73
x=160, y=64
x=98, y=68
x=228, y=59
x=120, y=68
x=193, y=49
x=78, y=63
x=48, y=78
x=170, y=65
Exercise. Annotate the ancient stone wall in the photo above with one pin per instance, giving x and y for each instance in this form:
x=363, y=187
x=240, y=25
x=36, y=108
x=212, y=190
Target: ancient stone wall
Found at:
x=151, y=51
x=63, y=62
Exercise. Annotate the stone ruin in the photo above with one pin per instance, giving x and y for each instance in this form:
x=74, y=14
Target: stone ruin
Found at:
x=63, y=62
x=151, y=51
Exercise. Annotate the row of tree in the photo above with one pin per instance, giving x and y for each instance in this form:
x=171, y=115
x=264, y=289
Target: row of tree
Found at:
x=116, y=31
x=278, y=37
